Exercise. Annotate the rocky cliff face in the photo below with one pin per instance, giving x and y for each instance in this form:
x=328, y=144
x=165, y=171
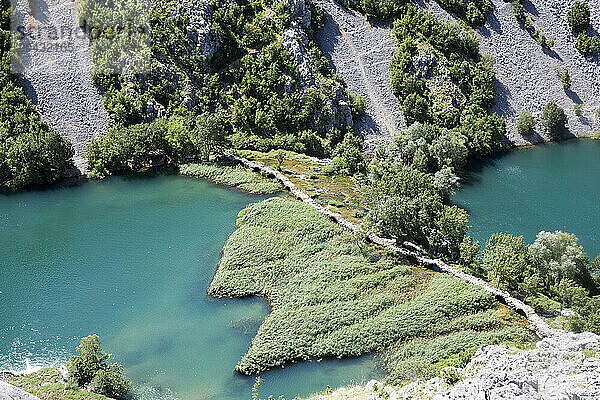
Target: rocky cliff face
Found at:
x=565, y=366
x=10, y=392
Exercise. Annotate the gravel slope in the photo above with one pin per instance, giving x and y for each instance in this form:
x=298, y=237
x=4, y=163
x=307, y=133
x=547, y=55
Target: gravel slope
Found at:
x=360, y=53
x=58, y=80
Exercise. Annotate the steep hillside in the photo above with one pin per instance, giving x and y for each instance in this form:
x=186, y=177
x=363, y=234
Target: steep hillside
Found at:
x=361, y=54
x=57, y=72
x=529, y=76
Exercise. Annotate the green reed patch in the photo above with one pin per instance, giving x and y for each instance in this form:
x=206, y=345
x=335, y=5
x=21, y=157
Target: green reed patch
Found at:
x=232, y=175
x=331, y=296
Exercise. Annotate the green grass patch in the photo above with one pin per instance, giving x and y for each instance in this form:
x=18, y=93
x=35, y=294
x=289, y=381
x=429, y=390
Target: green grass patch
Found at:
x=331, y=296
x=424, y=358
x=232, y=175
x=589, y=353
x=47, y=385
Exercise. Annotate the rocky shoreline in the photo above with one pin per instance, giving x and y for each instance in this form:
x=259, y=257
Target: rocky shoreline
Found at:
x=560, y=367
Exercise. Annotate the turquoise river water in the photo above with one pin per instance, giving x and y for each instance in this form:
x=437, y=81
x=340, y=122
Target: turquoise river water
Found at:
x=130, y=260
x=550, y=187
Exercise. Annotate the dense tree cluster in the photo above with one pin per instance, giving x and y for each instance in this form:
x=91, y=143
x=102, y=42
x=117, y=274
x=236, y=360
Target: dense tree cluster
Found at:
x=440, y=78
x=409, y=204
x=446, y=89
x=91, y=369
x=30, y=151
x=578, y=18
x=252, y=85
x=553, y=273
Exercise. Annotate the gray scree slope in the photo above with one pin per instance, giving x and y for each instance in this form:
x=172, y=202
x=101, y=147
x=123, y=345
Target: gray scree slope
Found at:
x=360, y=53
x=58, y=81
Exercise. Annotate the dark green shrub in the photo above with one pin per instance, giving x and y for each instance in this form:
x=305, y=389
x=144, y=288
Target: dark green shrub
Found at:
x=518, y=10
x=578, y=109
x=554, y=119
x=111, y=382
x=587, y=45
x=358, y=105
x=415, y=108
x=526, y=124
x=347, y=156
x=578, y=16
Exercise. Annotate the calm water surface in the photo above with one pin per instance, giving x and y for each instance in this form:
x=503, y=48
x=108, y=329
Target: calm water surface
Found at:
x=130, y=260
x=550, y=187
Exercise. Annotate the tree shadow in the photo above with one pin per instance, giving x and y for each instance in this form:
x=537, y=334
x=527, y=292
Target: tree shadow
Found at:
x=551, y=53
x=328, y=36
x=29, y=90
x=573, y=96
x=503, y=107
x=493, y=22
x=530, y=8
x=39, y=10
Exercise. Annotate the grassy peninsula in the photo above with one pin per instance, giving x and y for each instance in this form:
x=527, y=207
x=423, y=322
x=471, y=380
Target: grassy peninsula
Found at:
x=332, y=296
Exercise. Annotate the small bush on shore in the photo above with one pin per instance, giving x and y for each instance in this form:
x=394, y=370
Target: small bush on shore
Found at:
x=91, y=369
x=555, y=120
x=526, y=124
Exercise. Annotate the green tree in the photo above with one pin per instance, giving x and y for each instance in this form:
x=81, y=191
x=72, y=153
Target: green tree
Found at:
x=415, y=108
x=578, y=16
x=347, y=156
x=428, y=148
x=555, y=119
x=565, y=79
x=587, y=45
x=557, y=256
x=403, y=204
x=506, y=260
x=91, y=369
x=90, y=360
x=449, y=232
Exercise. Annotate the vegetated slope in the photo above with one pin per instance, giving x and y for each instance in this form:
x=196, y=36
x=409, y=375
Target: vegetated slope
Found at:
x=332, y=297
x=57, y=72
x=529, y=76
x=220, y=73
x=561, y=367
x=361, y=52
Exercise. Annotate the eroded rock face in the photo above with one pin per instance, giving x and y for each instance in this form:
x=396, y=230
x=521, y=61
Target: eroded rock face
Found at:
x=11, y=392
x=556, y=369
x=565, y=366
